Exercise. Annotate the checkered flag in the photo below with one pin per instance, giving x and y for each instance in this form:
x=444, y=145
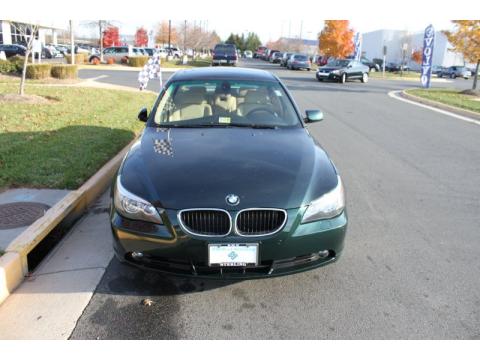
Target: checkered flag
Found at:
x=151, y=70
x=163, y=147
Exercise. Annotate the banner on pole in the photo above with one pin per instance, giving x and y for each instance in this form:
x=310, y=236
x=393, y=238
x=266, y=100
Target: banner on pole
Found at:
x=358, y=46
x=427, y=55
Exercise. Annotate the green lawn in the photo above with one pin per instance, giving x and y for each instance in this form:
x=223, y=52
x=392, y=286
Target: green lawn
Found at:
x=449, y=97
x=63, y=143
x=395, y=75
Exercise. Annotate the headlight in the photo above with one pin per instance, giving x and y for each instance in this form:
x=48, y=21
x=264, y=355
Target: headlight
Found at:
x=133, y=207
x=327, y=206
x=336, y=72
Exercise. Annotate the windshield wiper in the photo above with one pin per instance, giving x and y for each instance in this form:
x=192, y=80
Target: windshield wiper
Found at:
x=252, y=126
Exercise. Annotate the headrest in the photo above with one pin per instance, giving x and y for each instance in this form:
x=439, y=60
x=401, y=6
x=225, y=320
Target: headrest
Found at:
x=256, y=96
x=195, y=95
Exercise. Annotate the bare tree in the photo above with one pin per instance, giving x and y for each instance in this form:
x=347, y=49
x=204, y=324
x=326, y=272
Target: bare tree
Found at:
x=28, y=32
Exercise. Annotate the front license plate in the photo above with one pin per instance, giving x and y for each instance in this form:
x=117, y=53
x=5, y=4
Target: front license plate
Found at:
x=223, y=61
x=232, y=254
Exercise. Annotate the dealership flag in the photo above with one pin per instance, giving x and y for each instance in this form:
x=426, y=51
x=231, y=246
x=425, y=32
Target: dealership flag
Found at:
x=151, y=70
x=427, y=55
x=358, y=46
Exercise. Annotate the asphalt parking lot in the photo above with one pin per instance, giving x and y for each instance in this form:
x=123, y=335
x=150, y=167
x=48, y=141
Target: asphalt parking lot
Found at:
x=410, y=267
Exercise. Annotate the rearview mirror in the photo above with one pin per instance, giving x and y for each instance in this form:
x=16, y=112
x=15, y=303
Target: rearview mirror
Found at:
x=143, y=115
x=313, y=115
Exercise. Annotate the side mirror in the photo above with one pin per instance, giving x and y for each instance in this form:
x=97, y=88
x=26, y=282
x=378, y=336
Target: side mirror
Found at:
x=313, y=115
x=143, y=115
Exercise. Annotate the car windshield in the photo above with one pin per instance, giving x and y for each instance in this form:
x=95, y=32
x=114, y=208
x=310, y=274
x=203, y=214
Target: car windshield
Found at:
x=225, y=49
x=300, y=57
x=341, y=63
x=225, y=103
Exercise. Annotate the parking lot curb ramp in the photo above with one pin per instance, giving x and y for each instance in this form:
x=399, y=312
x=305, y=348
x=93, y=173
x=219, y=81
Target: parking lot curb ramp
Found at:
x=14, y=262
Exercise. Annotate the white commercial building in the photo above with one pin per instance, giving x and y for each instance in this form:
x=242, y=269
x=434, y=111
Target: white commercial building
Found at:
x=9, y=33
x=373, y=43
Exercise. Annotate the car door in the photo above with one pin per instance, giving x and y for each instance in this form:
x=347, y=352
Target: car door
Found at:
x=350, y=70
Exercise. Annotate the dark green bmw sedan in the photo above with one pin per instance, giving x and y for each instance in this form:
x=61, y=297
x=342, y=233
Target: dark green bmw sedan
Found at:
x=226, y=181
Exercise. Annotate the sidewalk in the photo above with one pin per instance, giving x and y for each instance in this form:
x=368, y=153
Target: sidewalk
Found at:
x=48, y=304
x=40, y=196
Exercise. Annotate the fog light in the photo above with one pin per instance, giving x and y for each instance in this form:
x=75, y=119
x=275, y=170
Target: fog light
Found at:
x=324, y=253
x=137, y=255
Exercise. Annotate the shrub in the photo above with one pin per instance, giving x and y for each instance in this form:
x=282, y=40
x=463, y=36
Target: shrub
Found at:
x=7, y=67
x=79, y=58
x=64, y=71
x=38, y=71
x=137, y=61
x=110, y=61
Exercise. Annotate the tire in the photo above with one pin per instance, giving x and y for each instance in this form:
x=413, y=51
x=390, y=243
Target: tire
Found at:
x=364, y=78
x=343, y=78
x=93, y=58
x=319, y=79
x=453, y=76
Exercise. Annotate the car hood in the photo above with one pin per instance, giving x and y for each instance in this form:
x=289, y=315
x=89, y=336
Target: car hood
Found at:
x=193, y=167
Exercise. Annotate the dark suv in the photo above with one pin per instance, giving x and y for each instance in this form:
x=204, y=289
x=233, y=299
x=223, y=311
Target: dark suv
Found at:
x=12, y=50
x=224, y=54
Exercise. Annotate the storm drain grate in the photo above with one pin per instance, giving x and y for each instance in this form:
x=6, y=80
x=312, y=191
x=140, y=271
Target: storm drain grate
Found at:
x=18, y=214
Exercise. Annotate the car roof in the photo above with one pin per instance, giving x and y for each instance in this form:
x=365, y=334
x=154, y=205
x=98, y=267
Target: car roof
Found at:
x=211, y=73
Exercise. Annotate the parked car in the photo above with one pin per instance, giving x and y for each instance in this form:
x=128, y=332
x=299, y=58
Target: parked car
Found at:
x=117, y=53
x=149, y=51
x=276, y=57
x=299, y=62
x=230, y=222
x=224, y=54
x=342, y=70
x=174, y=51
x=248, y=54
x=284, y=59
x=259, y=52
x=454, y=72
x=270, y=54
x=13, y=50
x=395, y=67
x=371, y=64
x=436, y=69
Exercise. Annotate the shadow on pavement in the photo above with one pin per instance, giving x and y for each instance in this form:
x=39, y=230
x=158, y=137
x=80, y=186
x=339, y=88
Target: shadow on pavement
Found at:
x=123, y=279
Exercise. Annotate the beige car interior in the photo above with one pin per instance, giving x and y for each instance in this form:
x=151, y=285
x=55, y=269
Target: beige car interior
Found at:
x=195, y=102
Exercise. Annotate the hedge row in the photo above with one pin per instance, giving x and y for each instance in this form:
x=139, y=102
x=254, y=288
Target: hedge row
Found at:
x=12, y=65
x=64, y=71
x=42, y=71
x=80, y=58
x=137, y=61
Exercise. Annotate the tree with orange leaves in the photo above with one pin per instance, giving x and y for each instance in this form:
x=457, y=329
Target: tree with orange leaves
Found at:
x=417, y=56
x=161, y=36
x=466, y=40
x=336, y=39
x=141, y=37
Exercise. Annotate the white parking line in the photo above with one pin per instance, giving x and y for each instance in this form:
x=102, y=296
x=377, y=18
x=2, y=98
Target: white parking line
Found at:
x=394, y=94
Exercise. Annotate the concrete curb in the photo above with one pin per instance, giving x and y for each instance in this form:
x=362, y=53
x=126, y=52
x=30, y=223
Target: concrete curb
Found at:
x=14, y=263
x=439, y=105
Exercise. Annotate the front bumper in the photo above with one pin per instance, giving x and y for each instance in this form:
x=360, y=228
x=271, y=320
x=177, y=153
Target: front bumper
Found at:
x=327, y=76
x=167, y=248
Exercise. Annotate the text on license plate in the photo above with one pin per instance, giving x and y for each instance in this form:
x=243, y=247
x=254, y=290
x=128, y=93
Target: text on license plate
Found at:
x=232, y=254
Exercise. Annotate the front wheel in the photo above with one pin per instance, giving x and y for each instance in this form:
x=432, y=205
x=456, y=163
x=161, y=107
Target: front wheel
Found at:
x=364, y=78
x=343, y=78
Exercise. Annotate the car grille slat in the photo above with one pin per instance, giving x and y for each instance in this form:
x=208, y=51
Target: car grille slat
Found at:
x=209, y=222
x=253, y=222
